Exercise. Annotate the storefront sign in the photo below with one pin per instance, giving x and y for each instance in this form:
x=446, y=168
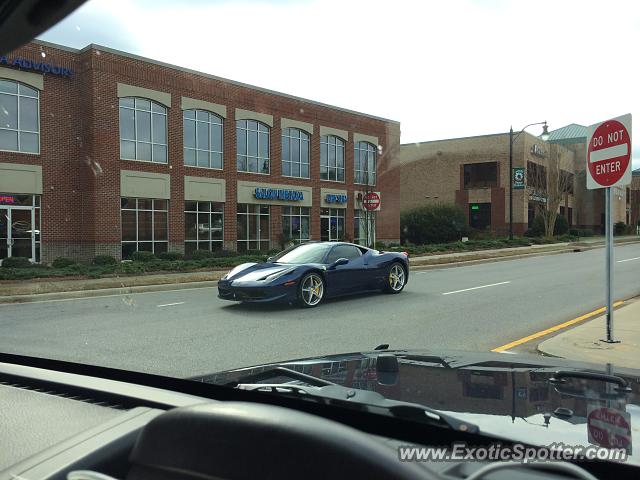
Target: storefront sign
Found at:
x=7, y=200
x=42, y=67
x=333, y=198
x=518, y=178
x=537, y=151
x=278, y=194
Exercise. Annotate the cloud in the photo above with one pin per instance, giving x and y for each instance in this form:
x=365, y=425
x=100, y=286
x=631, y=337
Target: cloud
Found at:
x=444, y=69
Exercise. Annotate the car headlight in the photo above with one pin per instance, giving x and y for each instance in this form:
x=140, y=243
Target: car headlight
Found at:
x=276, y=275
x=238, y=269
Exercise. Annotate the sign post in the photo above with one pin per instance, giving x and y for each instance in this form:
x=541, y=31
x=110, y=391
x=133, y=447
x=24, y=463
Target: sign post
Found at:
x=609, y=165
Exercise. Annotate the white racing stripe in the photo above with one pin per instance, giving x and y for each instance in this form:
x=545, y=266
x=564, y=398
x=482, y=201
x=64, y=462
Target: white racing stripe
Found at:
x=628, y=259
x=476, y=288
x=170, y=304
x=609, y=153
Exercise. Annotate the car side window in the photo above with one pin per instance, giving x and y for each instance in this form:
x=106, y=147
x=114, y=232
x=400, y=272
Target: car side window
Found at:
x=344, y=251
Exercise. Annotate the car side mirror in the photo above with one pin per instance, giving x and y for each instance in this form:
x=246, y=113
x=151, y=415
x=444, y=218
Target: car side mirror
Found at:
x=338, y=262
x=270, y=259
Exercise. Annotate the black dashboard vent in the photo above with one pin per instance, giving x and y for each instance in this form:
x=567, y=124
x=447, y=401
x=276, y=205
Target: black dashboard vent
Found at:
x=95, y=398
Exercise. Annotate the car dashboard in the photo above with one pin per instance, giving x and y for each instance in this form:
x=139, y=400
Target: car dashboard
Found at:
x=55, y=423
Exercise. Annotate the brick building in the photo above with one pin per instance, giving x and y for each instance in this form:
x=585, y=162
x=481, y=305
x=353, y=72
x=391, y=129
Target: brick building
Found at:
x=473, y=172
x=633, y=199
x=104, y=152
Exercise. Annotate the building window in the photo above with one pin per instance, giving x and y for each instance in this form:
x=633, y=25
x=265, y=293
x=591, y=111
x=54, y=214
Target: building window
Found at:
x=295, y=153
x=253, y=227
x=364, y=227
x=365, y=163
x=143, y=130
x=332, y=224
x=480, y=215
x=144, y=225
x=202, y=139
x=481, y=175
x=536, y=176
x=203, y=226
x=19, y=117
x=295, y=224
x=253, y=146
x=331, y=158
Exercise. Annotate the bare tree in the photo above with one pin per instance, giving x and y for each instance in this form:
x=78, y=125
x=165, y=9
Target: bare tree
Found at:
x=551, y=184
x=367, y=178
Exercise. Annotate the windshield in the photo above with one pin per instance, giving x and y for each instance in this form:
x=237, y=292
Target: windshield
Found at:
x=308, y=253
x=471, y=161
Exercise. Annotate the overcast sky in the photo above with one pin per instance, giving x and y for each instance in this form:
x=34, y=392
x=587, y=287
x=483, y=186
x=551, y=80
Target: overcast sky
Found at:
x=442, y=68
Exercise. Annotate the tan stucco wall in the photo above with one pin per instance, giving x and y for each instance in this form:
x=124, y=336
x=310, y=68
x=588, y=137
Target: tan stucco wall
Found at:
x=144, y=184
x=204, y=189
x=18, y=178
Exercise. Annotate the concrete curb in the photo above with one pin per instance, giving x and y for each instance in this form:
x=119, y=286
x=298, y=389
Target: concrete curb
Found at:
x=104, y=292
x=125, y=290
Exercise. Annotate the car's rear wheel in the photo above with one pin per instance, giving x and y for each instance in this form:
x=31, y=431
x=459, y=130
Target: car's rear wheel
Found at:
x=396, y=278
x=310, y=290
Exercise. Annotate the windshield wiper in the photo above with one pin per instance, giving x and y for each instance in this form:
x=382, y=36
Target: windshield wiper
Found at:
x=366, y=400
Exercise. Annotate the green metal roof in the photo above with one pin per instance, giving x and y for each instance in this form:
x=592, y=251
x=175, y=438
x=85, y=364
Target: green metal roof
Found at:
x=636, y=172
x=572, y=133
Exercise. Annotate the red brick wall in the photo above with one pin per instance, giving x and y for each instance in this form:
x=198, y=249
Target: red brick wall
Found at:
x=80, y=151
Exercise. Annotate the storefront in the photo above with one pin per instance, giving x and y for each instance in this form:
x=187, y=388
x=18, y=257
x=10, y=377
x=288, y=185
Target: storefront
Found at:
x=20, y=226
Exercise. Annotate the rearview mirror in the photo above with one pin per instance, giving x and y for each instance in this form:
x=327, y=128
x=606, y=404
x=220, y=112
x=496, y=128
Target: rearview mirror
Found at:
x=338, y=262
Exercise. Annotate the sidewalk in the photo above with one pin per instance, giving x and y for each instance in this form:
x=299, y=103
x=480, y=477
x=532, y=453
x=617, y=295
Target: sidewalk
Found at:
x=583, y=343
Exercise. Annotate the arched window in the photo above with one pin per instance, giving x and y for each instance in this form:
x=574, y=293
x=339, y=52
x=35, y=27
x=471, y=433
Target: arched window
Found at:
x=253, y=146
x=332, y=158
x=202, y=139
x=295, y=153
x=365, y=163
x=143, y=130
x=19, y=117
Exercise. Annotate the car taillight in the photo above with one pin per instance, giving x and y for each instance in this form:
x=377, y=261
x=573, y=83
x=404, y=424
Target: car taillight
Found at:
x=406, y=254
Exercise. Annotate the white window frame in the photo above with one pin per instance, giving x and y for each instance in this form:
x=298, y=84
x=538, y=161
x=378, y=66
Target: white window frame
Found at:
x=337, y=213
x=153, y=210
x=246, y=214
x=213, y=120
x=304, y=140
x=244, y=125
x=135, y=140
x=370, y=151
x=18, y=130
x=300, y=215
x=339, y=143
x=209, y=214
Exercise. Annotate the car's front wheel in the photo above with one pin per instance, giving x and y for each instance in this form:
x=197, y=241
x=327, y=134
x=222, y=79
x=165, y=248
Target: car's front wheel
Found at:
x=310, y=290
x=396, y=278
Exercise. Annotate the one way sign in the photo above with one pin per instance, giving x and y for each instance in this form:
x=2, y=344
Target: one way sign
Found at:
x=609, y=153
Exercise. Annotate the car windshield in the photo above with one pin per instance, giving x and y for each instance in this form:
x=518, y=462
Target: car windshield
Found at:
x=174, y=175
x=307, y=253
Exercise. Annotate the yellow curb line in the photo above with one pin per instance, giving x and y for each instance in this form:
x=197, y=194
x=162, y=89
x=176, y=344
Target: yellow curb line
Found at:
x=555, y=328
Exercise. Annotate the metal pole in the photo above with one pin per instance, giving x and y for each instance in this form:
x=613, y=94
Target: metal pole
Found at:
x=609, y=260
x=511, y=183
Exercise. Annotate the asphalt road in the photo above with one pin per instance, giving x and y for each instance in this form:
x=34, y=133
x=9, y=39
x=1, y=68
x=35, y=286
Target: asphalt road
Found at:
x=189, y=332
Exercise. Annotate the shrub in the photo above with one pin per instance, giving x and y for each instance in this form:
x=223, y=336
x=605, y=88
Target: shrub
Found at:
x=62, y=262
x=170, y=256
x=142, y=256
x=574, y=232
x=200, y=254
x=103, y=260
x=16, y=262
x=619, y=228
x=433, y=224
x=587, y=232
x=225, y=253
x=562, y=226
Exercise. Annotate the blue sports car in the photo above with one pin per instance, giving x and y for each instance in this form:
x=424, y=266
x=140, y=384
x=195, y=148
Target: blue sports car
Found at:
x=308, y=273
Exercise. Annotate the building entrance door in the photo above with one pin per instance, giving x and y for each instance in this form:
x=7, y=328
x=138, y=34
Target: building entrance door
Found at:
x=17, y=232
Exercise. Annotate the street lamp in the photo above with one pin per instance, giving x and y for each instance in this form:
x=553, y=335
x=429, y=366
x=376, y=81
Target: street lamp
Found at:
x=512, y=137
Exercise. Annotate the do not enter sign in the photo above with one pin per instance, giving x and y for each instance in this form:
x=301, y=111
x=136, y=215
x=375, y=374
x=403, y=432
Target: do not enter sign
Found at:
x=609, y=428
x=371, y=201
x=609, y=153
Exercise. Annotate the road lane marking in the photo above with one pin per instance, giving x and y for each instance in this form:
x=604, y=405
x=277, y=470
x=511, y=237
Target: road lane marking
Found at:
x=476, y=288
x=628, y=259
x=560, y=326
x=171, y=304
